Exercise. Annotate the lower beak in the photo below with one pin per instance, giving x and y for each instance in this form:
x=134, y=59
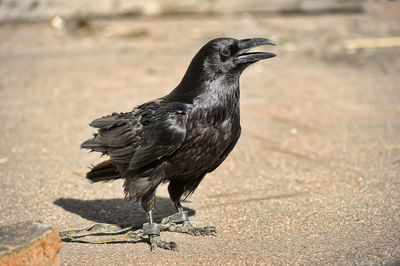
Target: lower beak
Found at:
x=246, y=44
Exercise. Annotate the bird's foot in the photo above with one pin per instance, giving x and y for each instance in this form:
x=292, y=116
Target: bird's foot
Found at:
x=153, y=231
x=188, y=228
x=155, y=242
x=179, y=223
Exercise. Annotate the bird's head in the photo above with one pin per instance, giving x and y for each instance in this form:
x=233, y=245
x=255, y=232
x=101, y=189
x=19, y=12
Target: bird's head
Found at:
x=219, y=58
x=224, y=56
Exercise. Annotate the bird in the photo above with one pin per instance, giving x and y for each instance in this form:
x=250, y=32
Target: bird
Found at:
x=178, y=138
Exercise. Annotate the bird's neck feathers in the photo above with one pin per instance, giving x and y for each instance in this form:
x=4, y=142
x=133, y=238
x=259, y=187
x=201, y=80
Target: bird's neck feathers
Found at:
x=198, y=80
x=196, y=86
x=223, y=87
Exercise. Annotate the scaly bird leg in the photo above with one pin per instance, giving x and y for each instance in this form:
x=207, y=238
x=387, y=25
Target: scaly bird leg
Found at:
x=179, y=222
x=152, y=229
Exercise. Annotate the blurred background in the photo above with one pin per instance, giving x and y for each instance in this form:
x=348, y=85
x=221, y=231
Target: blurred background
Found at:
x=314, y=177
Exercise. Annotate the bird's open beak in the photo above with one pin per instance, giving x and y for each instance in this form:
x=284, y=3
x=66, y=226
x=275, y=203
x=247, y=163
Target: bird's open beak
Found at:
x=246, y=44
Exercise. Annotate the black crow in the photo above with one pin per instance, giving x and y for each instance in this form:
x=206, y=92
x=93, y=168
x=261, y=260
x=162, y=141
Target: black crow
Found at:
x=180, y=137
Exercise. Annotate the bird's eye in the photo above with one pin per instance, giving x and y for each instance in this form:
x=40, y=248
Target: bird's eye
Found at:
x=225, y=52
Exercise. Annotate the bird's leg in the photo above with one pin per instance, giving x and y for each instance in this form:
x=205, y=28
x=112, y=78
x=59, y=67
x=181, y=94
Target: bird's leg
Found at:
x=179, y=217
x=179, y=222
x=151, y=228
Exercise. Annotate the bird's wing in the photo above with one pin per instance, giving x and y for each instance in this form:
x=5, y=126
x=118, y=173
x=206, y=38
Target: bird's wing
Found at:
x=110, y=121
x=164, y=130
x=118, y=136
x=143, y=136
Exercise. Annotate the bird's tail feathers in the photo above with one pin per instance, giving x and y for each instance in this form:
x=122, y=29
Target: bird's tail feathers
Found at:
x=104, y=171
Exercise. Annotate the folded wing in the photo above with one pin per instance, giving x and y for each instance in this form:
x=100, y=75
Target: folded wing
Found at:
x=142, y=137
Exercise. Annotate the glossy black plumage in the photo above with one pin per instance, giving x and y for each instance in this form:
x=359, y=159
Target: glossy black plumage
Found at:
x=182, y=136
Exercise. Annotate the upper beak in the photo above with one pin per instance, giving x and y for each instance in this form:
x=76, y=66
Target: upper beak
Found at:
x=246, y=44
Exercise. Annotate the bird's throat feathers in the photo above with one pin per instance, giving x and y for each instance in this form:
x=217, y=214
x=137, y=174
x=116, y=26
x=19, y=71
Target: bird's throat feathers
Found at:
x=220, y=91
x=196, y=86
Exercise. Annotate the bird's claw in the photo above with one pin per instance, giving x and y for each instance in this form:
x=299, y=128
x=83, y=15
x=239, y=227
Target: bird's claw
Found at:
x=155, y=242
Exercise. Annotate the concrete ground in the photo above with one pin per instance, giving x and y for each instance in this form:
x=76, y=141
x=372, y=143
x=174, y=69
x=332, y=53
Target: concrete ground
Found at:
x=314, y=178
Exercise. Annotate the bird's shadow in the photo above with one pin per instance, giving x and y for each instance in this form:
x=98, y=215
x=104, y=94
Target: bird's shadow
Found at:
x=117, y=211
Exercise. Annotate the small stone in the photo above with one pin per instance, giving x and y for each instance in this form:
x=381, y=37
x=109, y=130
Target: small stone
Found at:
x=29, y=243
